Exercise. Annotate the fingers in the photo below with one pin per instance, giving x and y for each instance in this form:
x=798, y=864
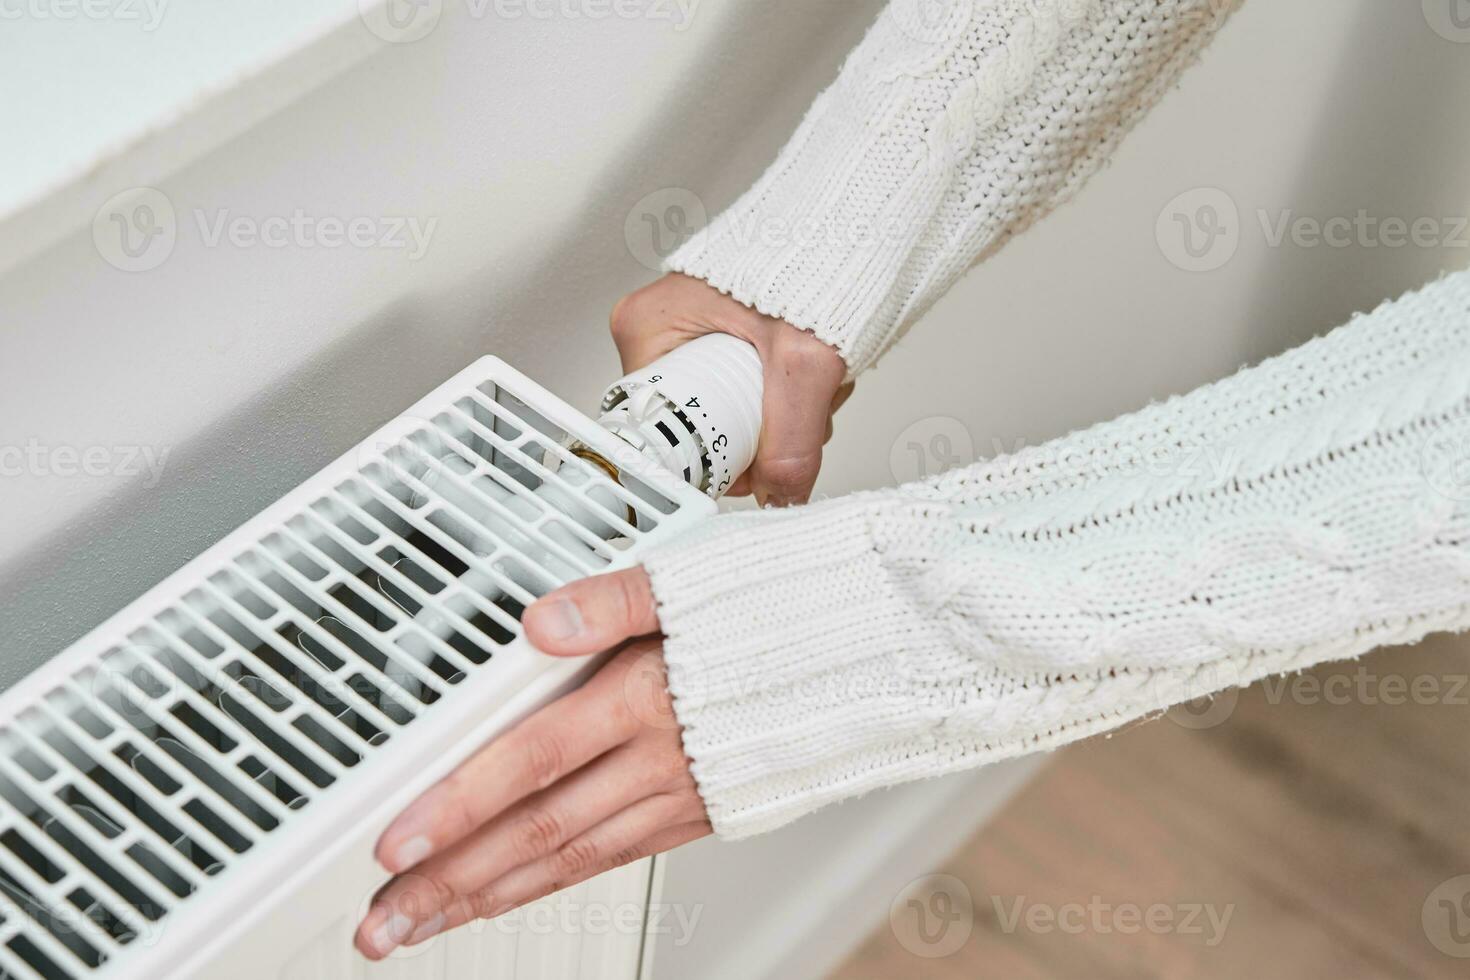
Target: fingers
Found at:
x=555, y=741
x=542, y=823
x=638, y=345
x=803, y=375
x=592, y=614
x=547, y=823
x=648, y=827
x=650, y=322
x=518, y=815
x=844, y=392
x=802, y=381
x=651, y=826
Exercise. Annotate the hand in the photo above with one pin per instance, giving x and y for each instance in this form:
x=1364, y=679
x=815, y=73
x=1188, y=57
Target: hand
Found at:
x=595, y=780
x=803, y=376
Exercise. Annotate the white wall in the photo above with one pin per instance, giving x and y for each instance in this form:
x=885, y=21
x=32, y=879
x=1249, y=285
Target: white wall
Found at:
x=530, y=142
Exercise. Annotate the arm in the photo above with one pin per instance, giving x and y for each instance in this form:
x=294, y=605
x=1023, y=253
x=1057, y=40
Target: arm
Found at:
x=1308, y=509
x=953, y=126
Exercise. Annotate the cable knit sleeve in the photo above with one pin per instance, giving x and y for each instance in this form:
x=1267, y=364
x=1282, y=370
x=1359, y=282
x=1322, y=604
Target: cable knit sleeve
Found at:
x=1306, y=509
x=954, y=125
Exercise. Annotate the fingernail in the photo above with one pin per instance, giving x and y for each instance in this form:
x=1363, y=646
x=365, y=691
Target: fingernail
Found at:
x=560, y=619
x=387, y=936
x=411, y=852
x=427, y=930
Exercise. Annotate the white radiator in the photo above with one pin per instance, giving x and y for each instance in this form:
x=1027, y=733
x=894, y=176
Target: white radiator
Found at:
x=195, y=788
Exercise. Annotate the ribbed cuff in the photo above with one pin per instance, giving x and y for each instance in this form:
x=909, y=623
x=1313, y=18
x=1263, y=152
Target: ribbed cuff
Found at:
x=840, y=295
x=835, y=237
x=762, y=614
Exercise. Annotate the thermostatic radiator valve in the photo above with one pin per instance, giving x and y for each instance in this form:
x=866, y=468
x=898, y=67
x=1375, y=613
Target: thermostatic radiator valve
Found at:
x=696, y=411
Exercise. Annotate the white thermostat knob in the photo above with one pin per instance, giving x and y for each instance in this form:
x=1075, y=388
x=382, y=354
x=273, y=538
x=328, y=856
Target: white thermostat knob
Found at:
x=697, y=410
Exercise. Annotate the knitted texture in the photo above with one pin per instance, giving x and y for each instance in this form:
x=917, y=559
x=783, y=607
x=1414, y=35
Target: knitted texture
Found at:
x=953, y=126
x=1308, y=509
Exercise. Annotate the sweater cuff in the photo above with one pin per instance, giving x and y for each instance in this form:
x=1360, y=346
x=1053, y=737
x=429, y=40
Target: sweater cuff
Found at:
x=826, y=237
x=837, y=295
x=762, y=613
x=798, y=247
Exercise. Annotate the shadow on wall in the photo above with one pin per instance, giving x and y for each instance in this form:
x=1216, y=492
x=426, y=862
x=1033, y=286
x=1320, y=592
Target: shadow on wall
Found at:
x=210, y=486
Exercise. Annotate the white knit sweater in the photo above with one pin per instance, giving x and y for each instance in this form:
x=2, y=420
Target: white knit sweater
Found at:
x=953, y=126
x=1307, y=509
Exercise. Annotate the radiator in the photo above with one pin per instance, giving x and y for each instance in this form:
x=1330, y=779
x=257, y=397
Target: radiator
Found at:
x=195, y=788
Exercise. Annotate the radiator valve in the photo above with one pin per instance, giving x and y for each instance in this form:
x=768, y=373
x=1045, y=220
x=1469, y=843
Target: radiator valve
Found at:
x=696, y=411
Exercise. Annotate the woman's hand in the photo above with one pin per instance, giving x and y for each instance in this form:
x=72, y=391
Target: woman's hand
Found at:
x=803, y=376
x=592, y=781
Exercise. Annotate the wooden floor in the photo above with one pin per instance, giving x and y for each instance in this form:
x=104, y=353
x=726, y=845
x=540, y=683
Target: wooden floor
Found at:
x=1321, y=828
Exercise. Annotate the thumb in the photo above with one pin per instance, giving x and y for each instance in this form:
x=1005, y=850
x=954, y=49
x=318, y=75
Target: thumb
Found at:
x=592, y=614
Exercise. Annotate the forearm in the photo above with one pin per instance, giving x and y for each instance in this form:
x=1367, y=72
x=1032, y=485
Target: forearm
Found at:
x=936, y=144
x=1304, y=510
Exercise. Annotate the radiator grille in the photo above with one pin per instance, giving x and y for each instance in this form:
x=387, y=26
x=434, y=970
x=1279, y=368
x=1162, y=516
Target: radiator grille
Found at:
x=146, y=773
